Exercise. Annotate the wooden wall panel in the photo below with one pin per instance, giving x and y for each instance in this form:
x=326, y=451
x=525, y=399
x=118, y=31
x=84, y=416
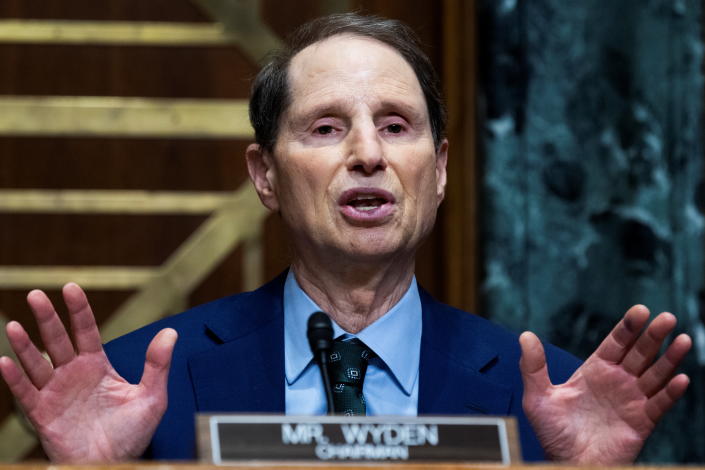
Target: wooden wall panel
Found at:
x=222, y=281
x=105, y=10
x=459, y=216
x=32, y=239
x=168, y=72
x=130, y=164
x=93, y=239
x=283, y=17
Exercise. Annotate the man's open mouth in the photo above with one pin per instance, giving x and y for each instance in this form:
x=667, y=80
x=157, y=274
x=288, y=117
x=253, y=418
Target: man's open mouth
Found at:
x=366, y=198
x=366, y=203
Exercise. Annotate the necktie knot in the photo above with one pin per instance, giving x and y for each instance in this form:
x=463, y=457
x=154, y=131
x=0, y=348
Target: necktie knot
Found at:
x=347, y=365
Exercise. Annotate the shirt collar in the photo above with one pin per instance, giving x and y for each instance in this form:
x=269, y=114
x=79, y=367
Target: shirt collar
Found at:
x=400, y=350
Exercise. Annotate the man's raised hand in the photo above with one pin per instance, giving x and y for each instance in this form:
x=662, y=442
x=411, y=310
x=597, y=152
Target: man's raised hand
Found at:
x=82, y=410
x=607, y=409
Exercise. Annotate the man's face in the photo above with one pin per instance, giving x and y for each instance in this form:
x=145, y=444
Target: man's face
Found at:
x=354, y=172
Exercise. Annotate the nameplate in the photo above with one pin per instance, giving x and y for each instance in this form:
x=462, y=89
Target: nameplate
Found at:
x=229, y=438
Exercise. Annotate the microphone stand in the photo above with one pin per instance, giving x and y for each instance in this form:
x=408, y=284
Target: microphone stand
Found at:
x=323, y=365
x=320, y=339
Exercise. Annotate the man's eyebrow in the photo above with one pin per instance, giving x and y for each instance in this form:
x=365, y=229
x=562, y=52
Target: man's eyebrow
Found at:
x=406, y=110
x=320, y=110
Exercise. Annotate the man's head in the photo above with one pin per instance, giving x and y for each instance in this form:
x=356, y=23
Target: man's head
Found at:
x=353, y=164
x=271, y=93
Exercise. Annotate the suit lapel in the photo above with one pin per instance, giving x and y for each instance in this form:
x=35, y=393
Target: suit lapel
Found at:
x=244, y=371
x=453, y=357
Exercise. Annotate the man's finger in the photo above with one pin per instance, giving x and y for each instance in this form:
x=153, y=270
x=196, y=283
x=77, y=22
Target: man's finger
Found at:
x=642, y=354
x=534, y=372
x=37, y=368
x=615, y=346
x=56, y=340
x=158, y=360
x=83, y=325
x=660, y=403
x=20, y=386
x=662, y=370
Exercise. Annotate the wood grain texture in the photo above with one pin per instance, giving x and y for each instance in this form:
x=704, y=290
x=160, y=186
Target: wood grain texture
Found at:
x=459, y=212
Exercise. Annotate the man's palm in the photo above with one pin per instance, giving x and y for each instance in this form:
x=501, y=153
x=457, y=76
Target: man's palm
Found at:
x=81, y=408
x=607, y=409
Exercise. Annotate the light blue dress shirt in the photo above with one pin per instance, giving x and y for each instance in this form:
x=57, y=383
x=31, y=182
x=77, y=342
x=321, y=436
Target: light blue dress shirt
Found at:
x=391, y=384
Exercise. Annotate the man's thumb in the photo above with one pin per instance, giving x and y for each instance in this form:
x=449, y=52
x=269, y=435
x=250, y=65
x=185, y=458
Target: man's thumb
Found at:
x=158, y=360
x=533, y=368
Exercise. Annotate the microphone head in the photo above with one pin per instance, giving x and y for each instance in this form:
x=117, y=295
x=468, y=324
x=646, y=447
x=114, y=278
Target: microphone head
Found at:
x=319, y=332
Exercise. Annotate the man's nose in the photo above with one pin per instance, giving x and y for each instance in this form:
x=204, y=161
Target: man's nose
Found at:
x=366, y=152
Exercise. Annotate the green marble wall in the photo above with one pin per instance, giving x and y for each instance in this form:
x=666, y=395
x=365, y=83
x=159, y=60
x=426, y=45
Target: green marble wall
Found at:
x=592, y=192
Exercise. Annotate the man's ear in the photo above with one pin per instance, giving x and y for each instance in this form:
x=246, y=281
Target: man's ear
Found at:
x=441, y=175
x=262, y=174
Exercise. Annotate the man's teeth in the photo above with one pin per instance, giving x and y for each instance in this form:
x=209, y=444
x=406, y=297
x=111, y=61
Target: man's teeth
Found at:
x=366, y=203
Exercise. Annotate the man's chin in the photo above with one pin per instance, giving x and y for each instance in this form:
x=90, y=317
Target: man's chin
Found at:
x=375, y=246
x=370, y=248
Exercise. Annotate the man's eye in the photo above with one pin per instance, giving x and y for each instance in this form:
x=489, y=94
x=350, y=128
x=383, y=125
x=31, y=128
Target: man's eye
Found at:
x=324, y=130
x=395, y=128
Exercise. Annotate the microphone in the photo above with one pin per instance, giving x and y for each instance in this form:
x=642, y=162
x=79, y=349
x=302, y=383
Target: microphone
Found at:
x=320, y=338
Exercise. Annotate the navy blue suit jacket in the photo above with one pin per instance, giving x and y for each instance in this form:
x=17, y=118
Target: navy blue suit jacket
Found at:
x=230, y=358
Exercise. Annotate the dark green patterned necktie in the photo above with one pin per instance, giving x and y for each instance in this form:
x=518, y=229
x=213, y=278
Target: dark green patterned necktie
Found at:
x=347, y=366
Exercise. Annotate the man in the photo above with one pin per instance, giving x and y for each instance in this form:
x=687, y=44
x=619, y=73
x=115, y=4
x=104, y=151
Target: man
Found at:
x=350, y=153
